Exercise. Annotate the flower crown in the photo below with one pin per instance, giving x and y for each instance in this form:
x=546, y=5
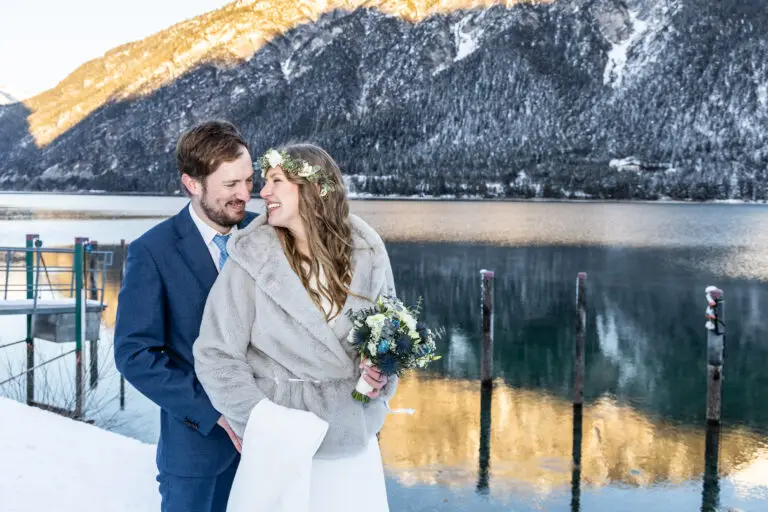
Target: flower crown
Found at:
x=297, y=167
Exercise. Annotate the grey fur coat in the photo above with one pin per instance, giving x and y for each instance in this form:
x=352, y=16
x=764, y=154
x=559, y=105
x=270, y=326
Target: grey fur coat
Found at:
x=263, y=337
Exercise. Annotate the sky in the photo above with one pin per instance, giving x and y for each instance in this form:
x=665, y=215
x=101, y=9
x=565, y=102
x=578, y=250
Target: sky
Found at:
x=43, y=41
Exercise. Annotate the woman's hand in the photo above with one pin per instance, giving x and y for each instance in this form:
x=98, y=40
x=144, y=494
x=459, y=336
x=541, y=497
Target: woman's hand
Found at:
x=374, y=377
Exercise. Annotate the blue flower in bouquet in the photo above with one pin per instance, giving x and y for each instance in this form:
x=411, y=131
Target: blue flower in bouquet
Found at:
x=383, y=347
x=360, y=336
x=389, y=328
x=404, y=343
x=388, y=364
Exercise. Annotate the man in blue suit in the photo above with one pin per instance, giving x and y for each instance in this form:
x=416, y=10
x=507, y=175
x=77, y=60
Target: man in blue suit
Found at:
x=170, y=270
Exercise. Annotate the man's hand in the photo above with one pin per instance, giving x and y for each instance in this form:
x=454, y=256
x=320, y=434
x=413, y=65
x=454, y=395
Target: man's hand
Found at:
x=374, y=377
x=223, y=423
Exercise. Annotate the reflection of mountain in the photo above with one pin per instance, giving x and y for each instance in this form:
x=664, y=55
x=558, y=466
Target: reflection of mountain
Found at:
x=531, y=440
x=645, y=334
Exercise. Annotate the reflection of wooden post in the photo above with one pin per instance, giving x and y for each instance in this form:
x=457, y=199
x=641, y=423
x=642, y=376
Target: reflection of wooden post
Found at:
x=581, y=324
x=93, y=295
x=715, y=348
x=486, y=361
x=486, y=395
x=576, y=459
x=123, y=256
x=710, y=496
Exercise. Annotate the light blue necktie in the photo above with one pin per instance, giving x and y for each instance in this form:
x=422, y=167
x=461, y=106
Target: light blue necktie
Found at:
x=221, y=243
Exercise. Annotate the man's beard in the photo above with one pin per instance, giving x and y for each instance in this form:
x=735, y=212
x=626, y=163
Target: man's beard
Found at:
x=220, y=216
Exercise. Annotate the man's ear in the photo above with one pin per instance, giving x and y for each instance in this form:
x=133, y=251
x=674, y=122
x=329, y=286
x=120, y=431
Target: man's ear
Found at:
x=193, y=186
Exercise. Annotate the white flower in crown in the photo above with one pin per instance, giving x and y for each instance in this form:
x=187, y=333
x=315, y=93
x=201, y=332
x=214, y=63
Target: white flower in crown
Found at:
x=306, y=170
x=274, y=158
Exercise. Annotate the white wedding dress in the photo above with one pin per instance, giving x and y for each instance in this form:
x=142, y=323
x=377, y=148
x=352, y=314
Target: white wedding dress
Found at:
x=278, y=470
x=279, y=473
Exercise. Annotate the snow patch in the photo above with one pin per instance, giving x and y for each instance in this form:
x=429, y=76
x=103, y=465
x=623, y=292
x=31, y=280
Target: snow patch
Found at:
x=762, y=95
x=67, y=465
x=617, y=56
x=466, y=41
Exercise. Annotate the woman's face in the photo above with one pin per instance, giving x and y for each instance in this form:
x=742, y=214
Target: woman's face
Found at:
x=282, y=200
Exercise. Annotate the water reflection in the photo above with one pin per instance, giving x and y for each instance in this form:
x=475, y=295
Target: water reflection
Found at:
x=531, y=435
x=711, y=489
x=645, y=334
x=486, y=396
x=576, y=436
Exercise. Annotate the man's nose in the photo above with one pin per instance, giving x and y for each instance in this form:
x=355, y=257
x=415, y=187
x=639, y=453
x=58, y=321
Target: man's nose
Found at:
x=243, y=192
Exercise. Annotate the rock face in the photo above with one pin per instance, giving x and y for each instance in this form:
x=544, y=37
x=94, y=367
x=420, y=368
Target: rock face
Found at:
x=586, y=98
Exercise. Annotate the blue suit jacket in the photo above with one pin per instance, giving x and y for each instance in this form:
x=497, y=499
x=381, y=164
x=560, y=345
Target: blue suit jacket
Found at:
x=168, y=276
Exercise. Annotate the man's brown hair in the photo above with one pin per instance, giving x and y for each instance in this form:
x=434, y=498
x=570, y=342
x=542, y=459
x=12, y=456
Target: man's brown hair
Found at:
x=204, y=147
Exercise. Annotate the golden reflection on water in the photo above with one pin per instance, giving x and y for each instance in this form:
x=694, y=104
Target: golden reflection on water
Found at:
x=531, y=441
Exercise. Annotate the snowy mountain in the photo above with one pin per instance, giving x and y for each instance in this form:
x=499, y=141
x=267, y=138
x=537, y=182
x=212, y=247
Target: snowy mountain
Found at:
x=583, y=98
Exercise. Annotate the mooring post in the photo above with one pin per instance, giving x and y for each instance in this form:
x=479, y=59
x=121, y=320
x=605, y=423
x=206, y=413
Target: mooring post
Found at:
x=30, y=266
x=93, y=294
x=581, y=325
x=80, y=302
x=486, y=361
x=715, y=325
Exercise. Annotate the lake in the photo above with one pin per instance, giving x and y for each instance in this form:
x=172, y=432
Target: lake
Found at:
x=644, y=421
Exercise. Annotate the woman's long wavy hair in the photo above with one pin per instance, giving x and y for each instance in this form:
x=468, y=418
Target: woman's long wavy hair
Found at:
x=328, y=230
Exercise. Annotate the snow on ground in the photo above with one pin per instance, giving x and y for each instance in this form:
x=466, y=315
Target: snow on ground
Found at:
x=48, y=462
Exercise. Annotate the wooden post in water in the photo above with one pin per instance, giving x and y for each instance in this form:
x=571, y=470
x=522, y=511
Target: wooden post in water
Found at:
x=123, y=256
x=30, y=263
x=486, y=361
x=80, y=303
x=93, y=294
x=581, y=325
x=715, y=352
x=576, y=459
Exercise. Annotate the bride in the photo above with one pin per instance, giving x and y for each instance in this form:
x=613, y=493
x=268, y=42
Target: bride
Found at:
x=273, y=355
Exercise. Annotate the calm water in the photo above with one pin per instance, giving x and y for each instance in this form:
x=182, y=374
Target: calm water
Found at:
x=643, y=428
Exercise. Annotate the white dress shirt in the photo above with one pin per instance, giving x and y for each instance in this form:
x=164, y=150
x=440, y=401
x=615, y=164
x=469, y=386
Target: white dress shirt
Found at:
x=208, y=233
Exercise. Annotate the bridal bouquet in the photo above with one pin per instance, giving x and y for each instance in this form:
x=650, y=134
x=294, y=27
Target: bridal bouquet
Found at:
x=389, y=336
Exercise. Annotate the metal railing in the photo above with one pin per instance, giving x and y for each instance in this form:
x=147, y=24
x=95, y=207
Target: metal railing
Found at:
x=71, y=314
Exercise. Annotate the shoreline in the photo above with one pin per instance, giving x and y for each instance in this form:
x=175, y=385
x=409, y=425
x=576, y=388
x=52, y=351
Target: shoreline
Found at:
x=393, y=198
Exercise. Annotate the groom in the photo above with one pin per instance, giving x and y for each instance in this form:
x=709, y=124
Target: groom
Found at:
x=170, y=270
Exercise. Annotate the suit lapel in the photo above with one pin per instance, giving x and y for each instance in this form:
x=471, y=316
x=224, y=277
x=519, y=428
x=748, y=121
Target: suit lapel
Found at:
x=278, y=280
x=362, y=278
x=259, y=250
x=193, y=250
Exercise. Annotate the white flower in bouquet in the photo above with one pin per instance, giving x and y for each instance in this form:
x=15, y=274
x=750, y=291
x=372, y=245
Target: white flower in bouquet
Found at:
x=408, y=320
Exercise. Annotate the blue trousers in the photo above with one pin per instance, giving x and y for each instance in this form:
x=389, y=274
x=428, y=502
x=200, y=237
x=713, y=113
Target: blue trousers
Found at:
x=190, y=494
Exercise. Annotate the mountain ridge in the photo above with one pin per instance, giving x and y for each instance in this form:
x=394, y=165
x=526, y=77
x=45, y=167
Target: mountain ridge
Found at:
x=585, y=99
